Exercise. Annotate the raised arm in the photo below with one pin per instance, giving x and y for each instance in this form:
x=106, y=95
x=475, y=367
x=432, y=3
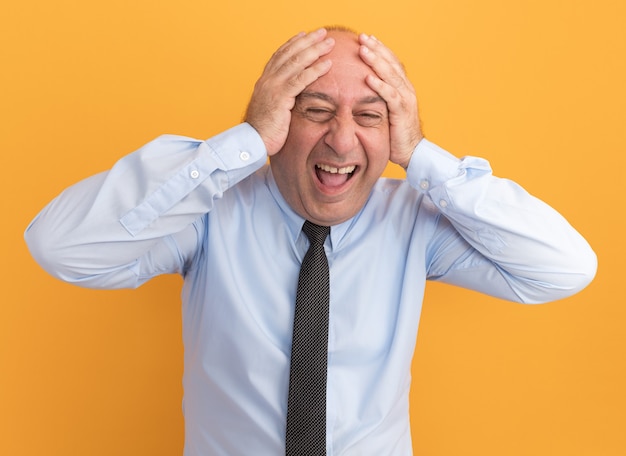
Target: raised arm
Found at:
x=140, y=219
x=494, y=237
x=121, y=227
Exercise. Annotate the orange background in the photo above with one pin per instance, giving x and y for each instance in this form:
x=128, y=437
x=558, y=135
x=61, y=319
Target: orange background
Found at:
x=538, y=87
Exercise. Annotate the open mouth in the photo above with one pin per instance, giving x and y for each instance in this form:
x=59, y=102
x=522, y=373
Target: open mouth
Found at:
x=334, y=177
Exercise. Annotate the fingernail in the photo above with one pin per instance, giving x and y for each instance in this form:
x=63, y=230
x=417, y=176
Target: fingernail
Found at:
x=368, y=52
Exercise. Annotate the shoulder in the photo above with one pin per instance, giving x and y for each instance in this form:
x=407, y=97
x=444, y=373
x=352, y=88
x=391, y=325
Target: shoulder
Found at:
x=396, y=199
x=392, y=190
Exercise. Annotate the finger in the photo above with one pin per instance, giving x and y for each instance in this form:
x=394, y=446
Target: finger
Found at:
x=298, y=62
x=400, y=98
x=385, y=64
x=309, y=75
x=389, y=93
x=382, y=51
x=294, y=46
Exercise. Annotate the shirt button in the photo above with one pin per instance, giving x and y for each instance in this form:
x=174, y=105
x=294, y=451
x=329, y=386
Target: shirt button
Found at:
x=424, y=184
x=443, y=203
x=194, y=174
x=244, y=156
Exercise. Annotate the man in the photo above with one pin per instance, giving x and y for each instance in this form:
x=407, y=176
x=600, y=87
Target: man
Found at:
x=330, y=110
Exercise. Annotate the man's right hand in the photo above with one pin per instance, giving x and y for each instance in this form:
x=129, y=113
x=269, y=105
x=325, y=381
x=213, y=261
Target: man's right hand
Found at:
x=291, y=69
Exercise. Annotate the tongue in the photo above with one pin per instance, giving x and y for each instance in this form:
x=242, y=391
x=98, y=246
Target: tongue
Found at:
x=332, y=179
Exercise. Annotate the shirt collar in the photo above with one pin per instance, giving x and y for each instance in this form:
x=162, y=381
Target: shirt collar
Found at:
x=294, y=221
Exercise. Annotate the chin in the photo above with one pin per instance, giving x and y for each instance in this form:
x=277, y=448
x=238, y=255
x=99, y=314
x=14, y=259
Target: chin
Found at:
x=329, y=215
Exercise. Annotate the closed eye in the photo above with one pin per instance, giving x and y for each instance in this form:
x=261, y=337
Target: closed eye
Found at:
x=369, y=119
x=319, y=114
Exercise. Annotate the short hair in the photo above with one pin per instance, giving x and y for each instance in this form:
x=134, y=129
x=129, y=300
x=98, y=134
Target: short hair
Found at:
x=341, y=28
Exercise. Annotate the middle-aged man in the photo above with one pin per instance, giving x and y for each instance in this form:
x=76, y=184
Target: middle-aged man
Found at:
x=330, y=110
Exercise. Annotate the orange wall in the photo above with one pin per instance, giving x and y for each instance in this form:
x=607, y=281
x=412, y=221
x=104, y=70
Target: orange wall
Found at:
x=536, y=86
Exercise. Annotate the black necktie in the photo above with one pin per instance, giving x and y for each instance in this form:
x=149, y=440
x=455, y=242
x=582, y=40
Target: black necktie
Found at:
x=306, y=406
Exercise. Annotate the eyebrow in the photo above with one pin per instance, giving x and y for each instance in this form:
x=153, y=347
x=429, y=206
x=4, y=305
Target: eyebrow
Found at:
x=324, y=97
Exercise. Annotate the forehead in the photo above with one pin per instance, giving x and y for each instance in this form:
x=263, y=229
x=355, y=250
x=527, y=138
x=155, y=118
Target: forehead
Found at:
x=345, y=82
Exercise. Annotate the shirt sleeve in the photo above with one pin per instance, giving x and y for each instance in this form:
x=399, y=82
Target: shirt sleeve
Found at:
x=141, y=218
x=493, y=236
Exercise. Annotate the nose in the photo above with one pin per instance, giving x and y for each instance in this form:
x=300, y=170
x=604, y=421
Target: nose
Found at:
x=341, y=135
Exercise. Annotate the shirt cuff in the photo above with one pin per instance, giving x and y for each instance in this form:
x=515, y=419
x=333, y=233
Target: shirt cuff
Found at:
x=430, y=166
x=219, y=163
x=238, y=147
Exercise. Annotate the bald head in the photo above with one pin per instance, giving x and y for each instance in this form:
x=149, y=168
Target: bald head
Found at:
x=346, y=77
x=346, y=49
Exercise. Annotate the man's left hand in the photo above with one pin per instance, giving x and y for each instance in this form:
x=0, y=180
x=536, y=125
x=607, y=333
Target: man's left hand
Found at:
x=395, y=88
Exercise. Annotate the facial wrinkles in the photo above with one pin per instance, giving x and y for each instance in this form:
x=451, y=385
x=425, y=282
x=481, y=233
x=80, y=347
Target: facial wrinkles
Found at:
x=340, y=150
x=324, y=181
x=347, y=128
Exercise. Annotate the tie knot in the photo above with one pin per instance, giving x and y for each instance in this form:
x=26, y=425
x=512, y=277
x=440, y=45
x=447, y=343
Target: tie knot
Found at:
x=317, y=234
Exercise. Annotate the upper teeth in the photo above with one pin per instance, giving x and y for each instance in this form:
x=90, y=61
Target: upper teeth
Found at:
x=333, y=170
